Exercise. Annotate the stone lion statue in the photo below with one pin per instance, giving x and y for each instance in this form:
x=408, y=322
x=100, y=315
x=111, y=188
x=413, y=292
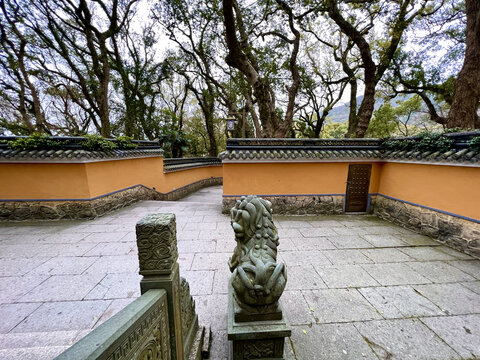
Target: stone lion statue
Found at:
x=257, y=279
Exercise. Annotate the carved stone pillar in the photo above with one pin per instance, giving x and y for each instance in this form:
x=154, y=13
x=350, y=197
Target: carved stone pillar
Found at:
x=157, y=253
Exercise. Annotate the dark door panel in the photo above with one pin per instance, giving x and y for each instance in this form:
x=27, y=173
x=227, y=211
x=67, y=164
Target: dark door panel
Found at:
x=358, y=182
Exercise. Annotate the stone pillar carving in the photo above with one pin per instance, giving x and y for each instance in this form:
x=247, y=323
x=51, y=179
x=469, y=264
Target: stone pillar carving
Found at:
x=157, y=253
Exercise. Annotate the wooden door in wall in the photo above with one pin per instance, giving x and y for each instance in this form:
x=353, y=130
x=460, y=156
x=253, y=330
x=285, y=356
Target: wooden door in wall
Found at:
x=358, y=182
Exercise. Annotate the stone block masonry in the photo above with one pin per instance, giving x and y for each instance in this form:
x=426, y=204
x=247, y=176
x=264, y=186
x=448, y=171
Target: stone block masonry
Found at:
x=453, y=231
x=296, y=204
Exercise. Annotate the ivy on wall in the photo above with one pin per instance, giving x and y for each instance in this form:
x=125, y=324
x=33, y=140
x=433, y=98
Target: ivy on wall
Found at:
x=38, y=141
x=429, y=141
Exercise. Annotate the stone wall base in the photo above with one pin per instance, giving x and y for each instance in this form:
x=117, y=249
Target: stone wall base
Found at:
x=296, y=205
x=89, y=209
x=458, y=233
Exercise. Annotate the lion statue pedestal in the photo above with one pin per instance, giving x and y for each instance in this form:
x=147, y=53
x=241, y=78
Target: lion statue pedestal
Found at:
x=257, y=326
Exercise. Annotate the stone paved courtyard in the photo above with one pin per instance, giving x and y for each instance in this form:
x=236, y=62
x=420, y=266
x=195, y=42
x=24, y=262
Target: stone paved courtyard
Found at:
x=358, y=287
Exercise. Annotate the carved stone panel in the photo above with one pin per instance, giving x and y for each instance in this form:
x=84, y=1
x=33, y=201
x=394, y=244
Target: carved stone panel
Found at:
x=157, y=244
x=138, y=332
x=188, y=307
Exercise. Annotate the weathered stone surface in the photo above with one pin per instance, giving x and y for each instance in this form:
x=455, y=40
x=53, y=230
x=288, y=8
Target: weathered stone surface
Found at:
x=455, y=232
x=340, y=305
x=157, y=244
x=329, y=342
x=404, y=339
x=399, y=301
x=454, y=299
x=462, y=333
x=394, y=274
x=189, y=319
x=63, y=315
x=12, y=314
x=257, y=279
x=345, y=276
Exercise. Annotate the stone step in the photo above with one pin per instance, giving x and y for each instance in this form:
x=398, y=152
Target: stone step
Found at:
x=37, y=345
x=37, y=353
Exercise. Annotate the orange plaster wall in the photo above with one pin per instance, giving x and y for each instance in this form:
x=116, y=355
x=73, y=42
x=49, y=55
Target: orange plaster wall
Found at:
x=289, y=178
x=88, y=180
x=177, y=179
x=43, y=181
x=455, y=189
x=107, y=176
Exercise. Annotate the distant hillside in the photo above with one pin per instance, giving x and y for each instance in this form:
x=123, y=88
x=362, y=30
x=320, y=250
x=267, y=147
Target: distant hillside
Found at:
x=339, y=114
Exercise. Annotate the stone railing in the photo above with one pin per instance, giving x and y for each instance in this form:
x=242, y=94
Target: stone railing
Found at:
x=162, y=324
x=177, y=164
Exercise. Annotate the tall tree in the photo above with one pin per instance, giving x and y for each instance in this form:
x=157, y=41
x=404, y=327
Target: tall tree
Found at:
x=397, y=16
x=243, y=56
x=192, y=26
x=15, y=62
x=466, y=98
x=79, y=34
x=137, y=75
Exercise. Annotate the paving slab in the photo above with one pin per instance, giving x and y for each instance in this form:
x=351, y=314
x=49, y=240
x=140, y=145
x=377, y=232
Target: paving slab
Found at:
x=387, y=240
x=340, y=305
x=462, y=333
x=311, y=243
x=394, y=274
x=349, y=242
x=303, y=277
x=201, y=282
x=404, y=339
x=64, y=265
x=37, y=339
x=20, y=266
x=453, y=298
x=439, y=272
x=112, y=264
x=400, y=302
x=13, y=314
x=14, y=287
x=346, y=257
x=417, y=239
x=470, y=267
x=37, y=353
x=63, y=287
x=302, y=257
x=427, y=253
x=389, y=255
x=65, y=315
x=472, y=285
x=330, y=342
x=116, y=286
x=296, y=307
x=345, y=276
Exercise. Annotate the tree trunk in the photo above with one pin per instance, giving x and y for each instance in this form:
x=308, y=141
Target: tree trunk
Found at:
x=366, y=107
x=352, y=115
x=212, y=150
x=466, y=97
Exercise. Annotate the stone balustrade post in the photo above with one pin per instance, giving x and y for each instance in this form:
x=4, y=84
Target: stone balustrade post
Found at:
x=157, y=254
